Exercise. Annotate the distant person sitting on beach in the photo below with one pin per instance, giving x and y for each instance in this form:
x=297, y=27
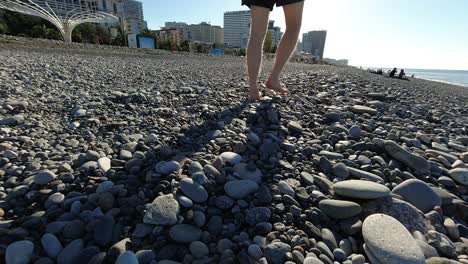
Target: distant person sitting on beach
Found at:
x=260, y=16
x=402, y=74
x=393, y=72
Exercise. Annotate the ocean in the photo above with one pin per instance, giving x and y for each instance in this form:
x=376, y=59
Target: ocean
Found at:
x=446, y=76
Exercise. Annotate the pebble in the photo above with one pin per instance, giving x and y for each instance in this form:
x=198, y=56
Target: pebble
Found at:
x=231, y=158
x=460, y=175
x=285, y=188
x=248, y=172
x=389, y=241
x=184, y=233
x=239, y=189
x=339, y=209
x=361, y=189
x=71, y=252
x=419, y=194
x=275, y=252
x=255, y=251
x=19, y=252
x=104, y=164
x=164, y=210
x=51, y=245
x=44, y=177
x=198, y=249
x=193, y=190
x=257, y=215
x=127, y=257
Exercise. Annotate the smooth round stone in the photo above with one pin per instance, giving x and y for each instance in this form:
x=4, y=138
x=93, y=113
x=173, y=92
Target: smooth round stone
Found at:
x=193, y=190
x=248, y=172
x=275, y=252
x=19, y=252
x=340, y=209
x=361, y=189
x=103, y=230
x=312, y=260
x=446, y=181
x=104, y=164
x=71, y=252
x=390, y=242
x=56, y=198
x=198, y=249
x=231, y=157
x=240, y=189
x=51, y=245
x=167, y=167
x=224, y=202
x=419, y=194
x=184, y=233
x=339, y=254
x=194, y=168
x=460, y=175
x=355, y=132
x=341, y=171
x=44, y=177
x=162, y=211
x=285, y=188
x=128, y=257
x=255, y=251
x=184, y=201
x=104, y=187
x=145, y=256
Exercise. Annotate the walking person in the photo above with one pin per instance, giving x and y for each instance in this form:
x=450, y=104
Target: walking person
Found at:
x=260, y=10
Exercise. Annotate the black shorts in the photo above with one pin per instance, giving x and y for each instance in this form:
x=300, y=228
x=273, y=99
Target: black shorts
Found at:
x=269, y=3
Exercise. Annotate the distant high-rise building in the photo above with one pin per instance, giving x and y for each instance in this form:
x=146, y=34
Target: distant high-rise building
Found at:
x=313, y=42
x=206, y=33
x=129, y=12
x=236, y=28
x=276, y=33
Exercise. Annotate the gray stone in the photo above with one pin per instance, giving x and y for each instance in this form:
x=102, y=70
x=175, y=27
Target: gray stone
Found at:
x=71, y=252
x=164, y=210
x=51, y=245
x=428, y=250
x=104, y=164
x=419, y=194
x=104, y=230
x=341, y=171
x=231, y=157
x=240, y=189
x=255, y=252
x=248, y=172
x=361, y=189
x=145, y=256
x=193, y=190
x=257, y=215
x=360, y=109
x=184, y=233
x=19, y=252
x=389, y=241
x=127, y=257
x=198, y=249
x=275, y=252
x=285, y=188
x=295, y=127
x=44, y=177
x=415, y=162
x=355, y=132
x=460, y=175
x=312, y=260
x=339, y=209
x=167, y=167
x=360, y=174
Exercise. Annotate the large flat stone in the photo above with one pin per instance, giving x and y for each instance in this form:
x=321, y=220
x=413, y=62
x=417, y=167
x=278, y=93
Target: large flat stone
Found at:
x=361, y=189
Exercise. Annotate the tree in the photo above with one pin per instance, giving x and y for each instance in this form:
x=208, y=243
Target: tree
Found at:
x=38, y=31
x=185, y=46
x=3, y=28
x=268, y=44
x=85, y=33
x=102, y=36
x=119, y=40
x=273, y=50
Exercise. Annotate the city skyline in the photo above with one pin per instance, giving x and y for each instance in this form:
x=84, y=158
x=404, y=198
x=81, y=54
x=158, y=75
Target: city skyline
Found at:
x=371, y=34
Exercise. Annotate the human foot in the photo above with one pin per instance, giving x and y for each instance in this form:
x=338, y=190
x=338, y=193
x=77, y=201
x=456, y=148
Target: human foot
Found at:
x=254, y=94
x=276, y=86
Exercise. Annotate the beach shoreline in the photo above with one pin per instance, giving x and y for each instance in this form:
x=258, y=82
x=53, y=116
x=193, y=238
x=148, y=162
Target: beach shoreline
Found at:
x=109, y=152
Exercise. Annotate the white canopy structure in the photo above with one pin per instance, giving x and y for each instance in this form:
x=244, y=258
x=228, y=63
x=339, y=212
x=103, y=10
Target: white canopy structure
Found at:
x=64, y=14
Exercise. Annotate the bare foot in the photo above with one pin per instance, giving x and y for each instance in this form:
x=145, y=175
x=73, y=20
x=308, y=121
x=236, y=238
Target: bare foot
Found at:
x=254, y=94
x=276, y=86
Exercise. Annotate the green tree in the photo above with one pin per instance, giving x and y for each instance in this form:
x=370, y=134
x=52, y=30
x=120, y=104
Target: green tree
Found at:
x=273, y=50
x=119, y=40
x=268, y=44
x=85, y=32
x=3, y=28
x=38, y=31
x=102, y=36
x=53, y=34
x=185, y=46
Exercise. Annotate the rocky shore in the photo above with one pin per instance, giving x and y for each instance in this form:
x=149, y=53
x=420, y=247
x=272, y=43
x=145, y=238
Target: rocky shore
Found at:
x=123, y=156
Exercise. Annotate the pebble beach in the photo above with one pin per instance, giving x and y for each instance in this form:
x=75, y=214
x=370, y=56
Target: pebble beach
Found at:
x=114, y=155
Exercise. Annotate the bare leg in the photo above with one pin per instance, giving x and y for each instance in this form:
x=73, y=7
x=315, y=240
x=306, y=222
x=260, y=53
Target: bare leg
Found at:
x=288, y=43
x=255, y=48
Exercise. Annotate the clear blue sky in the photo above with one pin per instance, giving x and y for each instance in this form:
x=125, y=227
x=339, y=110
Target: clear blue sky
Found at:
x=370, y=33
